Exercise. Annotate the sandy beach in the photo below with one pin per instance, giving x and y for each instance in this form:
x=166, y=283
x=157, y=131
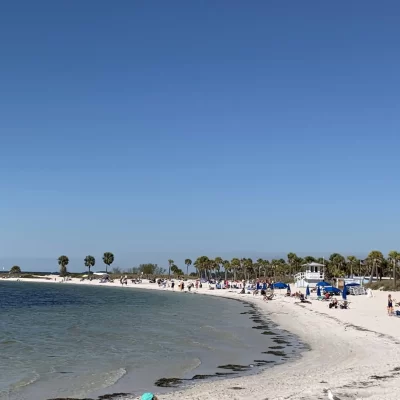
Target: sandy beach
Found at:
x=355, y=353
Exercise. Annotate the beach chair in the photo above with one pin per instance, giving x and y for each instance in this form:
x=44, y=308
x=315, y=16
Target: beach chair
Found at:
x=344, y=304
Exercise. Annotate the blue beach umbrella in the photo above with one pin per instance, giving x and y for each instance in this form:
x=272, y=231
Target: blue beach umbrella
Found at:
x=318, y=291
x=344, y=293
x=323, y=283
x=308, y=291
x=280, y=285
x=332, y=289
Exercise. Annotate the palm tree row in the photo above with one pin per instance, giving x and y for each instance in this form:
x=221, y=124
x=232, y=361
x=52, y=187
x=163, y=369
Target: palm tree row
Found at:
x=89, y=261
x=336, y=265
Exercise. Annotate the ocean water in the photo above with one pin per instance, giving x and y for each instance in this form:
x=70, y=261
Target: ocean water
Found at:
x=59, y=340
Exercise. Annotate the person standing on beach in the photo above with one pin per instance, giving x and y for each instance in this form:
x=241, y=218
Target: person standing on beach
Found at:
x=390, y=305
x=172, y=285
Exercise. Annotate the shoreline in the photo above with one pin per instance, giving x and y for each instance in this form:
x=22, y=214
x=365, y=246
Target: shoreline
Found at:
x=355, y=353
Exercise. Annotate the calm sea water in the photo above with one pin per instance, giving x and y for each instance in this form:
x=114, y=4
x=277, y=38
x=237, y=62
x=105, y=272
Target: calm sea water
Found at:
x=60, y=340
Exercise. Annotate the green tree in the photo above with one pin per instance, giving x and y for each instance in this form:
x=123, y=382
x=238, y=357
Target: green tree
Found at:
x=90, y=262
x=175, y=270
x=219, y=263
x=235, y=265
x=338, y=265
x=291, y=260
x=353, y=263
x=15, y=270
x=147, y=269
x=374, y=259
x=202, y=264
x=108, y=259
x=170, y=264
x=394, y=258
x=227, y=267
x=188, y=263
x=63, y=261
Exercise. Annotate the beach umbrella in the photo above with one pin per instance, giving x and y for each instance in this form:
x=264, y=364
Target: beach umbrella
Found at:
x=323, y=283
x=280, y=285
x=318, y=291
x=344, y=293
x=307, y=291
x=331, y=289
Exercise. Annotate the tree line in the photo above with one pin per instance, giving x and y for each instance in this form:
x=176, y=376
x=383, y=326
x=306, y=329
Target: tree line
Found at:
x=337, y=265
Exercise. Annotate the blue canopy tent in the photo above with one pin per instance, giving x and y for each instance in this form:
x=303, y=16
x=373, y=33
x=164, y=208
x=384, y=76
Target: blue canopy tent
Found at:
x=331, y=289
x=348, y=285
x=280, y=285
x=319, y=291
x=323, y=283
x=307, y=291
x=344, y=293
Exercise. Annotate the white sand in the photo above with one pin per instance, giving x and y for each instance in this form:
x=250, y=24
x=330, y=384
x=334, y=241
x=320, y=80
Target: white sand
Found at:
x=349, y=349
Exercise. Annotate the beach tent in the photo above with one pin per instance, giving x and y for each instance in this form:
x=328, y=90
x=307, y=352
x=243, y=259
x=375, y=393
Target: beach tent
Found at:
x=318, y=291
x=331, y=289
x=280, y=285
x=323, y=283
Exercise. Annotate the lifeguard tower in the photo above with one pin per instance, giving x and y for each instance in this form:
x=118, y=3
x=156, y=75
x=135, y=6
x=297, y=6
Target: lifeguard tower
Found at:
x=313, y=274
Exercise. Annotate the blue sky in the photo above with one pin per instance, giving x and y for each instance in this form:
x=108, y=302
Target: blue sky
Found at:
x=186, y=128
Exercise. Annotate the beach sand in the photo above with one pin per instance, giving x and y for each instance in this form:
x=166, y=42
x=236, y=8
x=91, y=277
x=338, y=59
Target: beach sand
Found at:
x=355, y=353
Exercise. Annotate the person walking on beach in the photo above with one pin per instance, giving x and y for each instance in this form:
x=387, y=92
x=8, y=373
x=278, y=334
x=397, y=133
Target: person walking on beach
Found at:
x=390, y=305
x=172, y=285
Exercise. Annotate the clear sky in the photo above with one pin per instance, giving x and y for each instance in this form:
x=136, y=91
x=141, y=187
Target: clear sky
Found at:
x=195, y=127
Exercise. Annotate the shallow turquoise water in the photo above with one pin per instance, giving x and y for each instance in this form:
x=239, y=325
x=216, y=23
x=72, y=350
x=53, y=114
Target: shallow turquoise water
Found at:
x=60, y=340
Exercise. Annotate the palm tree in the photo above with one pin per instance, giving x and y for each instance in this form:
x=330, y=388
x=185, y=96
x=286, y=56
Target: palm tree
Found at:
x=201, y=264
x=219, y=261
x=353, y=263
x=15, y=270
x=188, y=262
x=274, y=265
x=63, y=261
x=291, y=258
x=227, y=267
x=248, y=266
x=235, y=264
x=375, y=259
x=338, y=264
x=170, y=264
x=108, y=259
x=90, y=261
x=394, y=258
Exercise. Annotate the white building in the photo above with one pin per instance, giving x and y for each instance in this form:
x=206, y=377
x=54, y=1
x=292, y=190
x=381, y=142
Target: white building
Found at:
x=313, y=274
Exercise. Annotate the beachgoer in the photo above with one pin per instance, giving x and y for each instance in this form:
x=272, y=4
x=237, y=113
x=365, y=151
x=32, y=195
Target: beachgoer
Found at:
x=172, y=285
x=390, y=305
x=333, y=303
x=148, y=396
